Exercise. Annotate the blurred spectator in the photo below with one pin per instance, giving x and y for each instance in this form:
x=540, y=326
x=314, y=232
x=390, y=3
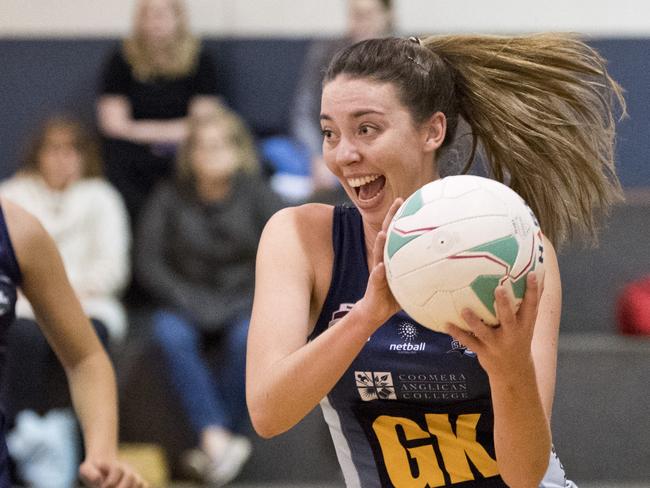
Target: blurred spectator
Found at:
x=196, y=247
x=60, y=183
x=157, y=77
x=366, y=19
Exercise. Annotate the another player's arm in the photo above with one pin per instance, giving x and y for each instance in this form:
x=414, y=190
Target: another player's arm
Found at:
x=286, y=376
x=64, y=324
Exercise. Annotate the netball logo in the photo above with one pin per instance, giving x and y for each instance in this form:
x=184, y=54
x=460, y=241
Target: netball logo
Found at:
x=408, y=332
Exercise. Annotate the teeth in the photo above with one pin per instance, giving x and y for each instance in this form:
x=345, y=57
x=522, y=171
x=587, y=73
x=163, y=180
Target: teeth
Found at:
x=363, y=180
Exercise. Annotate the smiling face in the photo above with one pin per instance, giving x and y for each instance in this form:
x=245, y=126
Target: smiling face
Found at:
x=372, y=145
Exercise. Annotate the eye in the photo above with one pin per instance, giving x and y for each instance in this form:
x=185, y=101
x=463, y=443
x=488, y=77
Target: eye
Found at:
x=328, y=135
x=367, y=130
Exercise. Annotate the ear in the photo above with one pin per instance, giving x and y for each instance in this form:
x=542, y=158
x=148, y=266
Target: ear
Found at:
x=435, y=129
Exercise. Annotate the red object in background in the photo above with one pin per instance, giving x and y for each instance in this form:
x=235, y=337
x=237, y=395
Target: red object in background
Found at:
x=633, y=308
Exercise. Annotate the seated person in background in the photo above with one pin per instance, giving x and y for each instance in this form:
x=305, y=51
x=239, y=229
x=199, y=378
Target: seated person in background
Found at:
x=60, y=183
x=151, y=83
x=195, y=254
x=366, y=19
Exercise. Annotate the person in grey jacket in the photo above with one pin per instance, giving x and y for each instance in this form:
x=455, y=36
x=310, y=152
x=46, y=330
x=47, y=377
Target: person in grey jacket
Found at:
x=365, y=19
x=196, y=247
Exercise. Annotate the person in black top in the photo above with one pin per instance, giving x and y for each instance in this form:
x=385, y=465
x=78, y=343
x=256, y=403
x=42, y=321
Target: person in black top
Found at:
x=157, y=77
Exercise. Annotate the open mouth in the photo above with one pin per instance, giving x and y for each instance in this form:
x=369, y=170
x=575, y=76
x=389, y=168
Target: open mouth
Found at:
x=367, y=187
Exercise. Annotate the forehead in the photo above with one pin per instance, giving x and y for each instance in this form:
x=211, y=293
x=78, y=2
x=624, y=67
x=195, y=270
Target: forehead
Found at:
x=156, y=6
x=365, y=6
x=346, y=95
x=60, y=134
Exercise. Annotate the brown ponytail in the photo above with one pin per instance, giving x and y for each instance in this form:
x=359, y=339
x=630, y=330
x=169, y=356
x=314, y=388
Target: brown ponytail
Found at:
x=541, y=108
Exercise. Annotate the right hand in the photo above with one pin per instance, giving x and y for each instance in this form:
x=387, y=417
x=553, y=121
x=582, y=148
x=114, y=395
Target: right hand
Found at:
x=102, y=473
x=378, y=303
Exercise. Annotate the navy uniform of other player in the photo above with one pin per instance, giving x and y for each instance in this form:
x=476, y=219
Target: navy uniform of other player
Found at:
x=29, y=261
x=408, y=407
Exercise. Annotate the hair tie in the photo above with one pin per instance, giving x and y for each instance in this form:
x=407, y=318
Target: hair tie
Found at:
x=415, y=40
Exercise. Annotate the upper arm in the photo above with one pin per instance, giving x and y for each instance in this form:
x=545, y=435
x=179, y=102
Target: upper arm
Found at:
x=547, y=325
x=284, y=281
x=46, y=286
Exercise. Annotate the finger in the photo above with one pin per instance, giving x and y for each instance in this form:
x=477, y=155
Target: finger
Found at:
x=505, y=309
x=528, y=309
x=128, y=480
x=378, y=250
x=114, y=476
x=378, y=276
x=477, y=327
x=391, y=213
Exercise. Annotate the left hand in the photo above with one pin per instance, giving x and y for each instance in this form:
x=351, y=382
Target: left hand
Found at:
x=505, y=348
x=100, y=473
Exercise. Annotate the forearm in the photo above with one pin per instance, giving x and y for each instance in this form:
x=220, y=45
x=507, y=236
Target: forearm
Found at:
x=522, y=434
x=309, y=374
x=94, y=396
x=171, y=131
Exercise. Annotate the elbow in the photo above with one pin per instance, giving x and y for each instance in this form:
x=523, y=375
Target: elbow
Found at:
x=264, y=431
x=530, y=476
x=265, y=423
x=264, y=426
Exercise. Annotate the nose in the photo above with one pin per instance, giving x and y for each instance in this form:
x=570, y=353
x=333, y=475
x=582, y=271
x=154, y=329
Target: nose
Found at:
x=347, y=152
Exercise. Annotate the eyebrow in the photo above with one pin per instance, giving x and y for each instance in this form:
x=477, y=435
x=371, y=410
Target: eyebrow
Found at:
x=355, y=115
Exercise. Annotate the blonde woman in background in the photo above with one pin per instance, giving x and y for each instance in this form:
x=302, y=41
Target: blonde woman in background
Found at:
x=196, y=247
x=158, y=76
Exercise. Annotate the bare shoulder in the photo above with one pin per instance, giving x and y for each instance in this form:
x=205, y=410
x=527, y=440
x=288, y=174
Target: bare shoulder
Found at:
x=310, y=224
x=301, y=237
x=28, y=236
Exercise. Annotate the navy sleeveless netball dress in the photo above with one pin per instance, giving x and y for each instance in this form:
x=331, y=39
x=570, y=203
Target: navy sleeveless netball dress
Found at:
x=10, y=279
x=414, y=409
